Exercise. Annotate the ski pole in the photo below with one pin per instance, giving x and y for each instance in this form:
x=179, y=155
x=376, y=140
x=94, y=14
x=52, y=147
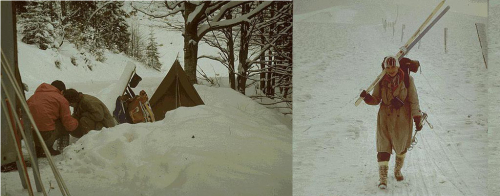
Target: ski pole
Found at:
x=424, y=120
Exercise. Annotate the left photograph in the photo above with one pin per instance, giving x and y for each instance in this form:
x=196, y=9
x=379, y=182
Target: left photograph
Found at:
x=146, y=98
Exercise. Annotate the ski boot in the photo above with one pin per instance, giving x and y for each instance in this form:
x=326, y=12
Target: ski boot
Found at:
x=400, y=159
x=383, y=168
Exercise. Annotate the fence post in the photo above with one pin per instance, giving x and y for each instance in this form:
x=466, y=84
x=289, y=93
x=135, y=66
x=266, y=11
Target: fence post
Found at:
x=402, y=32
x=445, y=36
x=393, y=28
x=385, y=25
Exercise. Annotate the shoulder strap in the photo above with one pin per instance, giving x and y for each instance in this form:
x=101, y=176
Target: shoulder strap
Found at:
x=407, y=78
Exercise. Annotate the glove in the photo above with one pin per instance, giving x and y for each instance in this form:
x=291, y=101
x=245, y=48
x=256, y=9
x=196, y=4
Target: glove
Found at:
x=418, y=123
x=366, y=96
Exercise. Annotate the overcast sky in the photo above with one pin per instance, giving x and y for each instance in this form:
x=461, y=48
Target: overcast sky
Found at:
x=471, y=7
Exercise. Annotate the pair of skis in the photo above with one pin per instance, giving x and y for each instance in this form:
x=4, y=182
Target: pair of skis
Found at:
x=410, y=43
x=146, y=111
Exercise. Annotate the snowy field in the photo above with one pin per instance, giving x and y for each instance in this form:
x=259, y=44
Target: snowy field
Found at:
x=494, y=98
x=338, y=52
x=230, y=146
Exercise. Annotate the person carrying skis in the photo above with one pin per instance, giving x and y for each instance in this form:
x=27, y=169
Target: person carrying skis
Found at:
x=51, y=113
x=399, y=108
x=92, y=113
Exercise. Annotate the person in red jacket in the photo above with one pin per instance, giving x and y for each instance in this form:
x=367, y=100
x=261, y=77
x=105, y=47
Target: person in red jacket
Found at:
x=51, y=113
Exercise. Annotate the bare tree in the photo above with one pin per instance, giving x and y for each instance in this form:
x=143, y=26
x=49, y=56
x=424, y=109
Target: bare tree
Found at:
x=267, y=36
x=271, y=61
x=201, y=18
x=224, y=40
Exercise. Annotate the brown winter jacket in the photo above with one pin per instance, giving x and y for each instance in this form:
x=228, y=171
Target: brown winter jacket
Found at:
x=395, y=126
x=48, y=105
x=93, y=108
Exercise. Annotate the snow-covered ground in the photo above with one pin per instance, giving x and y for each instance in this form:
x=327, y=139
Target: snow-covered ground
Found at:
x=338, y=52
x=494, y=98
x=230, y=146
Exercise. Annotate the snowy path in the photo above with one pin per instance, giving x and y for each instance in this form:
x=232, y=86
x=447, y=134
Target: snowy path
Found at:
x=334, y=141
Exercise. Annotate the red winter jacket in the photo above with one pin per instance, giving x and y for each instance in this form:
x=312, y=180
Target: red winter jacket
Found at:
x=47, y=105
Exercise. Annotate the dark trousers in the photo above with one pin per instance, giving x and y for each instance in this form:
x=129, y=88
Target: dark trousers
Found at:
x=49, y=137
x=85, y=125
x=385, y=156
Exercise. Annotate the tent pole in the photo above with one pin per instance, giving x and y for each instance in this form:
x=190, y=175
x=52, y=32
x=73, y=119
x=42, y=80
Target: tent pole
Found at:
x=18, y=149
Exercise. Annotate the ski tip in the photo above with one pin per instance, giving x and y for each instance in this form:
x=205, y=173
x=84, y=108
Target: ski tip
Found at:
x=358, y=101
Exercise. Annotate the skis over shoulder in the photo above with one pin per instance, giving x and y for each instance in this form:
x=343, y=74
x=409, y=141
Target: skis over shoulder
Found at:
x=424, y=24
x=408, y=46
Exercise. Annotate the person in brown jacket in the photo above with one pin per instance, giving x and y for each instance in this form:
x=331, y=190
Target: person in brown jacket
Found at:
x=51, y=113
x=399, y=108
x=91, y=112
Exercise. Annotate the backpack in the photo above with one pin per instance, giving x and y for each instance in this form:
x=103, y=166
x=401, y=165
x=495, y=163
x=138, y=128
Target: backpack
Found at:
x=139, y=110
x=120, y=111
x=408, y=65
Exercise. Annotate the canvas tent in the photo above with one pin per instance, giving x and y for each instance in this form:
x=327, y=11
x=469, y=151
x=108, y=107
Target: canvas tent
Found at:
x=174, y=91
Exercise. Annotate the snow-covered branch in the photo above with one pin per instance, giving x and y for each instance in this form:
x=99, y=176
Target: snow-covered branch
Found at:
x=224, y=9
x=215, y=58
x=265, y=48
x=215, y=24
x=214, y=7
x=195, y=16
x=169, y=13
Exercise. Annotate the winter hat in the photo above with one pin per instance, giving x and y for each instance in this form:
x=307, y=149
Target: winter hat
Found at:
x=390, y=61
x=59, y=85
x=72, y=95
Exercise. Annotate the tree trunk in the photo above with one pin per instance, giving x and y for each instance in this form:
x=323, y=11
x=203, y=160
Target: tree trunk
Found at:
x=262, y=85
x=190, y=44
x=243, y=56
x=289, y=51
x=190, y=57
x=63, y=9
x=230, y=59
x=270, y=88
x=279, y=58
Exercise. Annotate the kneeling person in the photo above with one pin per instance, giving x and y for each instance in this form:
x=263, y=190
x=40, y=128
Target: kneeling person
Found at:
x=51, y=113
x=90, y=112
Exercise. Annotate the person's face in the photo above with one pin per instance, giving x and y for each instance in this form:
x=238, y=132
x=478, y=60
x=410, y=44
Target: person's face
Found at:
x=72, y=105
x=391, y=67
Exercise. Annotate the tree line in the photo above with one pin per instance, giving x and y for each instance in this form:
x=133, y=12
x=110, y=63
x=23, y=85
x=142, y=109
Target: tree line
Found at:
x=254, y=39
x=93, y=26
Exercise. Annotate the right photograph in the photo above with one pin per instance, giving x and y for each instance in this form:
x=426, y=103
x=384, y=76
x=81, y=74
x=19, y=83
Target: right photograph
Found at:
x=395, y=97
x=494, y=98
